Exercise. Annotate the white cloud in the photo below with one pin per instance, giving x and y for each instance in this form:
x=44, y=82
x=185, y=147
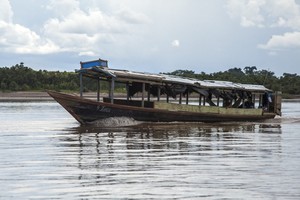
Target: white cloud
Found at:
x=175, y=43
x=132, y=17
x=287, y=40
x=6, y=12
x=19, y=39
x=269, y=14
x=63, y=8
x=85, y=31
x=286, y=13
x=80, y=22
x=87, y=53
x=15, y=38
x=261, y=13
x=72, y=29
x=248, y=11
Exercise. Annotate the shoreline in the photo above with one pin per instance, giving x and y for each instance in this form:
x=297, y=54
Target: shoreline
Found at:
x=21, y=96
x=24, y=96
x=43, y=96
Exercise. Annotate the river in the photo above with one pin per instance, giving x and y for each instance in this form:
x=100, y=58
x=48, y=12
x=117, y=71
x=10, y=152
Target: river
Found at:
x=46, y=154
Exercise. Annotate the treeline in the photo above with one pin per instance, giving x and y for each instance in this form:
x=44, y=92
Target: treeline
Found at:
x=23, y=78
x=288, y=83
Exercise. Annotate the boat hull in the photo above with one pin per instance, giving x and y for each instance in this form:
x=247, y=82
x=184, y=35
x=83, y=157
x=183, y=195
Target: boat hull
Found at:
x=86, y=111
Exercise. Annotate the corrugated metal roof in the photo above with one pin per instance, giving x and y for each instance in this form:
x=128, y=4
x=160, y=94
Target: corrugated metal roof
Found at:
x=255, y=87
x=163, y=78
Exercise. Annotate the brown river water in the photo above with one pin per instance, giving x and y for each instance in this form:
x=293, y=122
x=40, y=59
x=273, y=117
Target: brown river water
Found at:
x=46, y=154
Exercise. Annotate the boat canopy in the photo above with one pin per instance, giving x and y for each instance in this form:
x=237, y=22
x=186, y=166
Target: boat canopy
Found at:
x=98, y=69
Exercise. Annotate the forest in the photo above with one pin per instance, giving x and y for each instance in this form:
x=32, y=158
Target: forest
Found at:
x=22, y=78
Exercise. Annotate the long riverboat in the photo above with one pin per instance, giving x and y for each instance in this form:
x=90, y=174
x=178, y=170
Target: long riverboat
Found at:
x=167, y=98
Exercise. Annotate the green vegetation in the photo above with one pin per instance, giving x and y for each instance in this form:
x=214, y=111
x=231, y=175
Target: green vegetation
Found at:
x=289, y=84
x=22, y=78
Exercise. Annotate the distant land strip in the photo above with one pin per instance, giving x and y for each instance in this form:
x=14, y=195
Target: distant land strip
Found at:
x=22, y=78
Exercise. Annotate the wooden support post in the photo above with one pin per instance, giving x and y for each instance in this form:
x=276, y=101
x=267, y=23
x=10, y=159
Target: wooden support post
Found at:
x=109, y=89
x=204, y=98
x=111, y=92
x=98, y=89
x=158, y=93
x=218, y=101
x=180, y=98
x=187, y=98
x=243, y=101
x=143, y=95
x=200, y=96
x=81, y=84
x=277, y=103
x=149, y=92
x=260, y=101
x=253, y=100
x=167, y=98
x=127, y=91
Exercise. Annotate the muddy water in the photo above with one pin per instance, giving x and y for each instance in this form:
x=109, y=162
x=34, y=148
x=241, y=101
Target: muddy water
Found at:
x=45, y=154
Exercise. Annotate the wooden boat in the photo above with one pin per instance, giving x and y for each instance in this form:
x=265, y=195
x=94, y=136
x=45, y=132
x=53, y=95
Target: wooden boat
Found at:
x=216, y=101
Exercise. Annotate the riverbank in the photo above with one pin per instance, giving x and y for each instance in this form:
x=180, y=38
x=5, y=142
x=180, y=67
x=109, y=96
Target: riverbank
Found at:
x=31, y=96
x=24, y=96
x=42, y=96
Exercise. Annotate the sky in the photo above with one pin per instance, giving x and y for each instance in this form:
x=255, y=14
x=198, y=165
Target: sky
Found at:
x=152, y=35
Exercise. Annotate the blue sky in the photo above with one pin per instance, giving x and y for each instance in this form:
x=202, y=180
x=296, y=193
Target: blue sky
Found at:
x=152, y=35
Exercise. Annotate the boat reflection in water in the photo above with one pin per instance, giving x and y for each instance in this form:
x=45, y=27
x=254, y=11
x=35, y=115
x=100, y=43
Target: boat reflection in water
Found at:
x=154, y=157
x=180, y=138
